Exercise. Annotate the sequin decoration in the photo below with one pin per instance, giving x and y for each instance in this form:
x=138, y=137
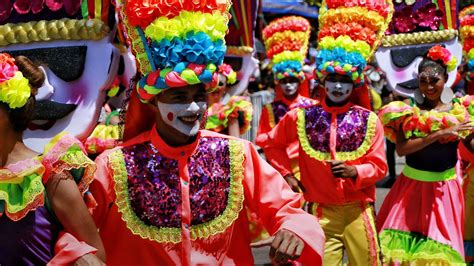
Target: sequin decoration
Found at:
x=304, y=102
x=153, y=186
x=209, y=169
x=279, y=110
x=351, y=129
x=318, y=124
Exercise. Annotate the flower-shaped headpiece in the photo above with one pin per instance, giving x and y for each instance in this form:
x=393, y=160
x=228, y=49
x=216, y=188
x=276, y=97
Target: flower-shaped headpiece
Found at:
x=350, y=32
x=227, y=71
x=440, y=54
x=14, y=88
x=176, y=42
x=466, y=19
x=286, y=40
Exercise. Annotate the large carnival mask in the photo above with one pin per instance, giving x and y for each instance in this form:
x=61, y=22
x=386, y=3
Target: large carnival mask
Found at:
x=74, y=49
x=415, y=28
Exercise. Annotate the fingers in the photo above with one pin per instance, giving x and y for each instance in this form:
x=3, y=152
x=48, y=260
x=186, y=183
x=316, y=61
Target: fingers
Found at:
x=275, y=244
x=263, y=243
x=286, y=246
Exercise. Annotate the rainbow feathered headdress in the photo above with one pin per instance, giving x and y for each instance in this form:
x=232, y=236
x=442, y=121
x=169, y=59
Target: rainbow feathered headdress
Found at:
x=350, y=32
x=286, y=40
x=176, y=43
x=466, y=19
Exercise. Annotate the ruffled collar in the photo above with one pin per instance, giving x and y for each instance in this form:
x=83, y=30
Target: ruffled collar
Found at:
x=173, y=152
x=21, y=188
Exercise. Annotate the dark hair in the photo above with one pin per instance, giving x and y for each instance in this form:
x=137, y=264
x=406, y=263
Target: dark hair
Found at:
x=435, y=65
x=21, y=117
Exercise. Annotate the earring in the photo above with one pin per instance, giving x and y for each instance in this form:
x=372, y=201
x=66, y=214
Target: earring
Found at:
x=419, y=98
x=447, y=95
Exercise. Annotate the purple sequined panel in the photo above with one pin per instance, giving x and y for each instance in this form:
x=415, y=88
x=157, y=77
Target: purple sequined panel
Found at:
x=318, y=123
x=209, y=170
x=304, y=102
x=279, y=110
x=351, y=129
x=153, y=186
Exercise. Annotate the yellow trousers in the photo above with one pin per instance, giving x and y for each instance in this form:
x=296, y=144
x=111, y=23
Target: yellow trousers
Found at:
x=349, y=227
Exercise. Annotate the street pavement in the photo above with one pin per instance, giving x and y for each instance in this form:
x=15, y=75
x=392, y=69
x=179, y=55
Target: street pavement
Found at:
x=261, y=254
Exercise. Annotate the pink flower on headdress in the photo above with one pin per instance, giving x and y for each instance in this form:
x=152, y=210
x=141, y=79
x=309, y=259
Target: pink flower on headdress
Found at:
x=429, y=17
x=7, y=67
x=36, y=6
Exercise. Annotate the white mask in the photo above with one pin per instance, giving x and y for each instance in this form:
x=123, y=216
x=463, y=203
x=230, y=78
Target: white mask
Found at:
x=174, y=114
x=338, y=92
x=289, y=89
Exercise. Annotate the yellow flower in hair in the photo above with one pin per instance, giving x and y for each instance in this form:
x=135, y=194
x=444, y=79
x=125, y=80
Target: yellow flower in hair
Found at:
x=16, y=91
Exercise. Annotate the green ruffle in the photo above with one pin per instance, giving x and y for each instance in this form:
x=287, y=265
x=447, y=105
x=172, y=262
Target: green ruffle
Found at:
x=21, y=192
x=416, y=249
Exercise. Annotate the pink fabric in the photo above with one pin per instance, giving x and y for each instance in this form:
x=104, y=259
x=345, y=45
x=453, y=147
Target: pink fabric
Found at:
x=276, y=210
x=434, y=209
x=68, y=249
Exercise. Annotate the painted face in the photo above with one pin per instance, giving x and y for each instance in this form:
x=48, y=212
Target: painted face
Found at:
x=289, y=89
x=431, y=83
x=69, y=100
x=217, y=94
x=338, y=90
x=184, y=117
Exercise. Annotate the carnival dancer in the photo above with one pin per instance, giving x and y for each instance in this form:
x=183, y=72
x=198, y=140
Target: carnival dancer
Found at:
x=175, y=194
x=39, y=198
x=234, y=117
x=286, y=40
x=341, y=153
x=421, y=219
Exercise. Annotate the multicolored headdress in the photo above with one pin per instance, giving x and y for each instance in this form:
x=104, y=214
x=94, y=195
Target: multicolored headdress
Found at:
x=227, y=71
x=442, y=55
x=286, y=40
x=417, y=26
x=466, y=19
x=14, y=88
x=350, y=32
x=176, y=43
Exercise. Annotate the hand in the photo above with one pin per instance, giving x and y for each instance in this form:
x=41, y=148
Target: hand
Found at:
x=89, y=260
x=454, y=130
x=295, y=185
x=342, y=170
x=286, y=246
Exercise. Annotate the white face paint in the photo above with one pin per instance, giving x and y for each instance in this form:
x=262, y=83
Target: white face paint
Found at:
x=338, y=92
x=289, y=89
x=184, y=117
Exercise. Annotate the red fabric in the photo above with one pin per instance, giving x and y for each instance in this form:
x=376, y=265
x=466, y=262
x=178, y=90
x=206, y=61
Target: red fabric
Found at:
x=264, y=127
x=276, y=210
x=140, y=117
x=68, y=249
x=328, y=190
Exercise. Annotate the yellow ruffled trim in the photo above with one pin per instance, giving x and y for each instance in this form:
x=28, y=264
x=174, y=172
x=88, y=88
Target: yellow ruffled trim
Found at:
x=234, y=200
x=271, y=115
x=173, y=235
x=288, y=56
x=46, y=31
x=342, y=156
x=346, y=43
x=136, y=226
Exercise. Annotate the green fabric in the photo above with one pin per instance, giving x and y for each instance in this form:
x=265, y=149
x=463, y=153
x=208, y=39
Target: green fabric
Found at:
x=427, y=176
x=17, y=196
x=399, y=246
